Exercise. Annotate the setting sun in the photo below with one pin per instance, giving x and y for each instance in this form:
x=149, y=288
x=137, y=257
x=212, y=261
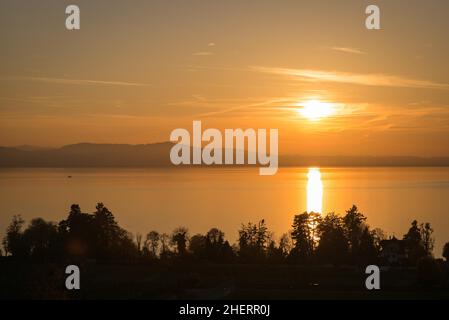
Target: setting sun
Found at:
x=315, y=110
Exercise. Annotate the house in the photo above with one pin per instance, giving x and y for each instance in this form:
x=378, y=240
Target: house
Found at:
x=393, y=251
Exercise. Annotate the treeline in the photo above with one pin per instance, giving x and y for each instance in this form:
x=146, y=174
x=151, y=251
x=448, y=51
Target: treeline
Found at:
x=314, y=239
x=95, y=235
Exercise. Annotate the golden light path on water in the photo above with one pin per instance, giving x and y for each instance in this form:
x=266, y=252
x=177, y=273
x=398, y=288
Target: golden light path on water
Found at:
x=314, y=191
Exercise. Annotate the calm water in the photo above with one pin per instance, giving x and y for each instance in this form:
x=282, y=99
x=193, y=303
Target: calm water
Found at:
x=162, y=199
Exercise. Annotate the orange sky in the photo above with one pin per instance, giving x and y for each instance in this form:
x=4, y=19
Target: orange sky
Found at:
x=137, y=70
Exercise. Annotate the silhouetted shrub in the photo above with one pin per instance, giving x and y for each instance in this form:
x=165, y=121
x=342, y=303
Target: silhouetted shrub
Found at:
x=429, y=272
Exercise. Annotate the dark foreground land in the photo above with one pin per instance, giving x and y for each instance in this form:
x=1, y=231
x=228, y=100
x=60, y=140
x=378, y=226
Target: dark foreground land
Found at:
x=322, y=257
x=208, y=281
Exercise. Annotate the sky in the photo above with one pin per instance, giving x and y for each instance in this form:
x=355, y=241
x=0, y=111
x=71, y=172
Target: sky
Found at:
x=136, y=70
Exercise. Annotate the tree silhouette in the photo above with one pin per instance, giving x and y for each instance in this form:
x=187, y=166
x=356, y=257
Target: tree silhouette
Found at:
x=197, y=246
x=95, y=235
x=446, y=251
x=139, y=241
x=217, y=249
x=413, y=242
x=165, y=245
x=304, y=235
x=285, y=244
x=378, y=236
x=179, y=238
x=368, y=251
x=354, y=225
x=333, y=245
x=426, y=237
x=328, y=239
x=13, y=241
x=253, y=241
x=78, y=232
x=152, y=242
x=215, y=237
x=275, y=254
x=41, y=239
x=108, y=232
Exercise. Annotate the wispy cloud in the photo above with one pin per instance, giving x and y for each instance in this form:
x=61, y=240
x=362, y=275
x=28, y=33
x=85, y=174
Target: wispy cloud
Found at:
x=202, y=53
x=348, y=50
x=368, y=79
x=66, y=81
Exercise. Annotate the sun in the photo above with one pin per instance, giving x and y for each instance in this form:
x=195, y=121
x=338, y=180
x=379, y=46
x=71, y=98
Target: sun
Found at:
x=315, y=110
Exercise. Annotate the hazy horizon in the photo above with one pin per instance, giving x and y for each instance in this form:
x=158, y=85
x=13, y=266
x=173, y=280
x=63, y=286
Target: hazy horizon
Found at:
x=32, y=148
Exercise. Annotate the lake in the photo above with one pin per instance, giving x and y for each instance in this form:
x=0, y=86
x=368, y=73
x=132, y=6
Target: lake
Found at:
x=200, y=198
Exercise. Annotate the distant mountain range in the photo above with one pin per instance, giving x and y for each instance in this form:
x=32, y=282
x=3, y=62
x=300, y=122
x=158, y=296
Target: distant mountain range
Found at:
x=88, y=155
x=158, y=154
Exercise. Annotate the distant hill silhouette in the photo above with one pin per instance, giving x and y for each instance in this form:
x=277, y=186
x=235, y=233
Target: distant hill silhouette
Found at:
x=158, y=154
x=89, y=155
x=364, y=161
x=27, y=147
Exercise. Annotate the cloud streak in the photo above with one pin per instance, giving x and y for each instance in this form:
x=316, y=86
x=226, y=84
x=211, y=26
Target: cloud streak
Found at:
x=202, y=53
x=368, y=79
x=66, y=81
x=348, y=50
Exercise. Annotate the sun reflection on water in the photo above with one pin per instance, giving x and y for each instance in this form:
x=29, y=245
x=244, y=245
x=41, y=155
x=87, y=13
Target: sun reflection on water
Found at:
x=314, y=191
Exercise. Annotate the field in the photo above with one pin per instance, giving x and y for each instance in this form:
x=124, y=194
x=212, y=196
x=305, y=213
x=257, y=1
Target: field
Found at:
x=208, y=281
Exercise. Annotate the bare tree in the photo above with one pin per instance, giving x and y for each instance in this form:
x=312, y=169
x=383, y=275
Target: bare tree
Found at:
x=152, y=242
x=427, y=239
x=138, y=241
